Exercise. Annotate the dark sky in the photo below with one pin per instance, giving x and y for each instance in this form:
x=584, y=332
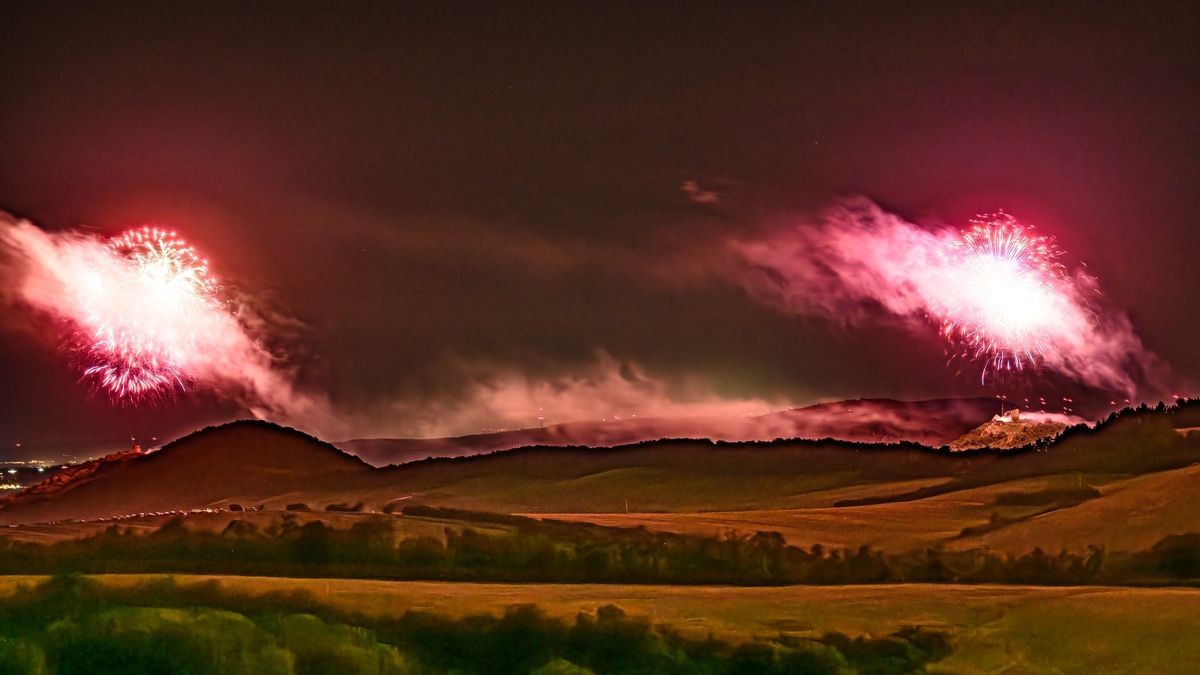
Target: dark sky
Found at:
x=432, y=184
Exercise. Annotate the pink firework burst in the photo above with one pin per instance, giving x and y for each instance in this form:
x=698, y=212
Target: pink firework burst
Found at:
x=147, y=304
x=1003, y=297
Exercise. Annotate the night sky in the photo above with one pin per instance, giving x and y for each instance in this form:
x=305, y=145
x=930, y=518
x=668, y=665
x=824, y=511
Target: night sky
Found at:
x=444, y=192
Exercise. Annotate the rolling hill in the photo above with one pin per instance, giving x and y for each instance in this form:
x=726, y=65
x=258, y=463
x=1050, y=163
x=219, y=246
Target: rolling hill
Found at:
x=1079, y=490
x=932, y=422
x=246, y=460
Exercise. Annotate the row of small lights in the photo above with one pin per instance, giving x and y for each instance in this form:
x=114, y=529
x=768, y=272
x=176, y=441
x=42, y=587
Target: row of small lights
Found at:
x=1068, y=402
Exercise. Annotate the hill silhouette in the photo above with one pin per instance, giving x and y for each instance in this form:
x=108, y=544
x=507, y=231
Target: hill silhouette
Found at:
x=933, y=422
x=246, y=460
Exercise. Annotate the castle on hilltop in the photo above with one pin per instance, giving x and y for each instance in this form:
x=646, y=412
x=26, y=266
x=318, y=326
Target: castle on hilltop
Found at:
x=1013, y=415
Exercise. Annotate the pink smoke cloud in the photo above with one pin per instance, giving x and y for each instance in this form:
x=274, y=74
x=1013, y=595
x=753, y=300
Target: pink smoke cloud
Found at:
x=70, y=277
x=76, y=280
x=500, y=397
x=858, y=264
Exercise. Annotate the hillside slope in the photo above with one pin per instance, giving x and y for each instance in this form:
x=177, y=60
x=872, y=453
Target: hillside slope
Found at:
x=703, y=476
x=245, y=461
x=932, y=422
x=1129, y=514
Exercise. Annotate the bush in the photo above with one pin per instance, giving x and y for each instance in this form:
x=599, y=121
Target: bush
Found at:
x=70, y=627
x=154, y=640
x=21, y=658
x=1176, y=556
x=321, y=647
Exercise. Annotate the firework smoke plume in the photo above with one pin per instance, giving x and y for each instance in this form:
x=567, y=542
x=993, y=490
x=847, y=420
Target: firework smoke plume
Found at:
x=143, y=317
x=997, y=292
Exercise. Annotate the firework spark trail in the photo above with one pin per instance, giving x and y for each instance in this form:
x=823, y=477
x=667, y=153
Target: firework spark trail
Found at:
x=998, y=292
x=1006, y=301
x=146, y=318
x=148, y=308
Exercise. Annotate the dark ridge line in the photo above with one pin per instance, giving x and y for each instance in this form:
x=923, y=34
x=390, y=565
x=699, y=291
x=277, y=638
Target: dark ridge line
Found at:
x=877, y=399
x=870, y=446
x=828, y=443
x=262, y=424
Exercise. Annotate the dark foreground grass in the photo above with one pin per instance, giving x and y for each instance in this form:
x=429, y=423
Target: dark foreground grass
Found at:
x=70, y=624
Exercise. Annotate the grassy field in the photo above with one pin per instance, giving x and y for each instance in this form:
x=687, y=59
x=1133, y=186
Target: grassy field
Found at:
x=1130, y=514
x=1014, y=629
x=1160, y=504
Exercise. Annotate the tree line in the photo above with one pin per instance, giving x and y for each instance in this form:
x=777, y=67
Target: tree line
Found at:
x=497, y=547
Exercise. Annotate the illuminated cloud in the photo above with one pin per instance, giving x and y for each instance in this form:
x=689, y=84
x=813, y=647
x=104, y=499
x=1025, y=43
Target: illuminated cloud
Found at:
x=505, y=397
x=140, y=334
x=858, y=265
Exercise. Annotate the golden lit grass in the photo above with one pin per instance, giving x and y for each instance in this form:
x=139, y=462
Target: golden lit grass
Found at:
x=640, y=488
x=894, y=526
x=996, y=628
x=885, y=527
x=1131, y=514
